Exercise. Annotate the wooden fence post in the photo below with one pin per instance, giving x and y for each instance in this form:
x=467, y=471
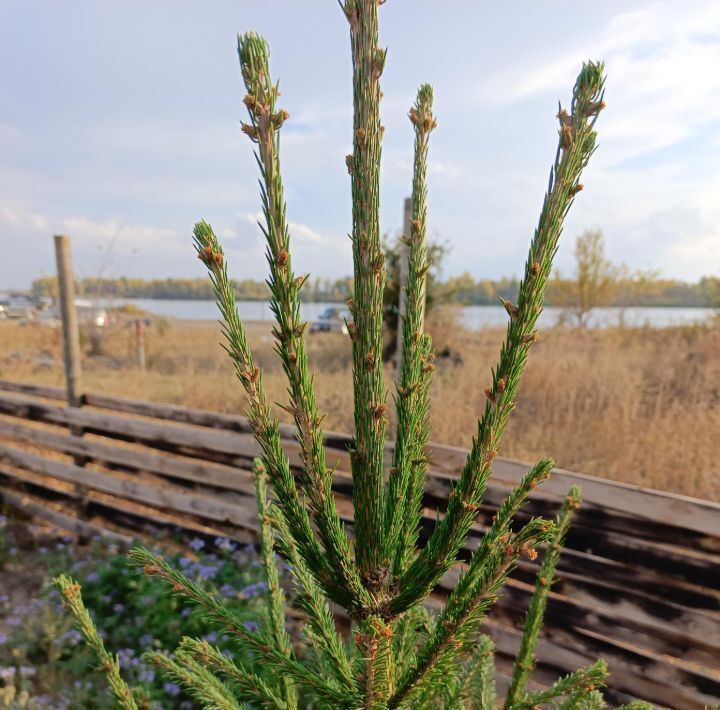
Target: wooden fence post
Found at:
x=403, y=274
x=68, y=313
x=71, y=346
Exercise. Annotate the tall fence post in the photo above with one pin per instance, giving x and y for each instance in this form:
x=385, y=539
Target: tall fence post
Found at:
x=71, y=348
x=68, y=313
x=403, y=275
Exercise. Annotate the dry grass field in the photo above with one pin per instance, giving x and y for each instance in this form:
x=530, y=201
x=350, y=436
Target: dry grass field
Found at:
x=637, y=405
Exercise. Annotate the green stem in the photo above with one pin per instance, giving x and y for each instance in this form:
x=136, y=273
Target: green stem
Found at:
x=440, y=655
x=264, y=423
x=71, y=594
x=405, y=486
x=366, y=306
x=525, y=659
x=275, y=594
x=316, y=480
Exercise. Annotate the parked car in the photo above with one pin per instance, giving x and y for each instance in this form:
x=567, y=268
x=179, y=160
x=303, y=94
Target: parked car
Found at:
x=88, y=313
x=91, y=314
x=16, y=307
x=332, y=320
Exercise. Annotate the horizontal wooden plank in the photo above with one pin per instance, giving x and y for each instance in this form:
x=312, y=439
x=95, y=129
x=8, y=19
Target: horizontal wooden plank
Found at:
x=109, y=512
x=593, y=574
x=46, y=392
x=162, y=496
x=692, y=636
x=163, y=464
x=673, y=509
x=31, y=506
x=636, y=552
x=134, y=429
x=660, y=686
x=151, y=433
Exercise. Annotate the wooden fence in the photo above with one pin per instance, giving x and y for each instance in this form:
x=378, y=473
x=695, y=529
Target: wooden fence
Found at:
x=639, y=578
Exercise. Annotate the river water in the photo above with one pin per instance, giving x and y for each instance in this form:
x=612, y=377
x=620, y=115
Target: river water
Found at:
x=473, y=317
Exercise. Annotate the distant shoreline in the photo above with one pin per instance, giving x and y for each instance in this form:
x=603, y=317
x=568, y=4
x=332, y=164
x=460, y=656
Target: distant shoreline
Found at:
x=471, y=317
x=341, y=302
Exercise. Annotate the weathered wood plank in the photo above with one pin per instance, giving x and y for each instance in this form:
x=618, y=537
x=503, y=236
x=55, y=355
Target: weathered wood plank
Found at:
x=673, y=509
x=134, y=429
x=30, y=506
x=692, y=636
x=626, y=616
x=35, y=390
x=163, y=497
x=635, y=553
x=626, y=669
x=165, y=464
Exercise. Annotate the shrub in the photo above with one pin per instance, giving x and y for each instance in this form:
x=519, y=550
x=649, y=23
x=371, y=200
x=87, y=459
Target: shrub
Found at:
x=398, y=654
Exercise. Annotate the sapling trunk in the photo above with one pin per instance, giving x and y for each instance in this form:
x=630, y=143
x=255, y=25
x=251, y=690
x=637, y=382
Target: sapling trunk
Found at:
x=398, y=654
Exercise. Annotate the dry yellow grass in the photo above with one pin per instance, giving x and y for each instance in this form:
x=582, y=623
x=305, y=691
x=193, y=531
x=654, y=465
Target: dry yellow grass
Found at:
x=637, y=405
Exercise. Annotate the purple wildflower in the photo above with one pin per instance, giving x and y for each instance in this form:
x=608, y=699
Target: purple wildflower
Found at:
x=225, y=544
x=227, y=590
x=253, y=590
x=172, y=689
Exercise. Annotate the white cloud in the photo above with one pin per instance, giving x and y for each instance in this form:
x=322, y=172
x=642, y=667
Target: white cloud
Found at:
x=99, y=246
x=662, y=77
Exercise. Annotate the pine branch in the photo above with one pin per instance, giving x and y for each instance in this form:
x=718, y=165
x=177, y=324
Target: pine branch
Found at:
x=320, y=630
x=367, y=454
x=374, y=642
x=70, y=592
x=258, y=642
x=264, y=423
x=316, y=480
x=584, y=700
x=484, y=563
x=584, y=680
x=472, y=686
x=452, y=637
x=525, y=659
x=491, y=543
x=197, y=680
x=248, y=685
x=576, y=145
x=275, y=595
x=410, y=629
x=479, y=690
x=405, y=486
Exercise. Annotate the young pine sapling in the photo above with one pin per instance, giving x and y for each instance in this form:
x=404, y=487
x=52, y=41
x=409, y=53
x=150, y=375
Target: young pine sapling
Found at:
x=397, y=654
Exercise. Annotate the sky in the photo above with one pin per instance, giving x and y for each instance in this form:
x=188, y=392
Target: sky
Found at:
x=120, y=126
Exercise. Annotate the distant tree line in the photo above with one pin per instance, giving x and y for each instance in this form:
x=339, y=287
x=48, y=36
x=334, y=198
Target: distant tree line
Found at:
x=616, y=287
x=190, y=289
